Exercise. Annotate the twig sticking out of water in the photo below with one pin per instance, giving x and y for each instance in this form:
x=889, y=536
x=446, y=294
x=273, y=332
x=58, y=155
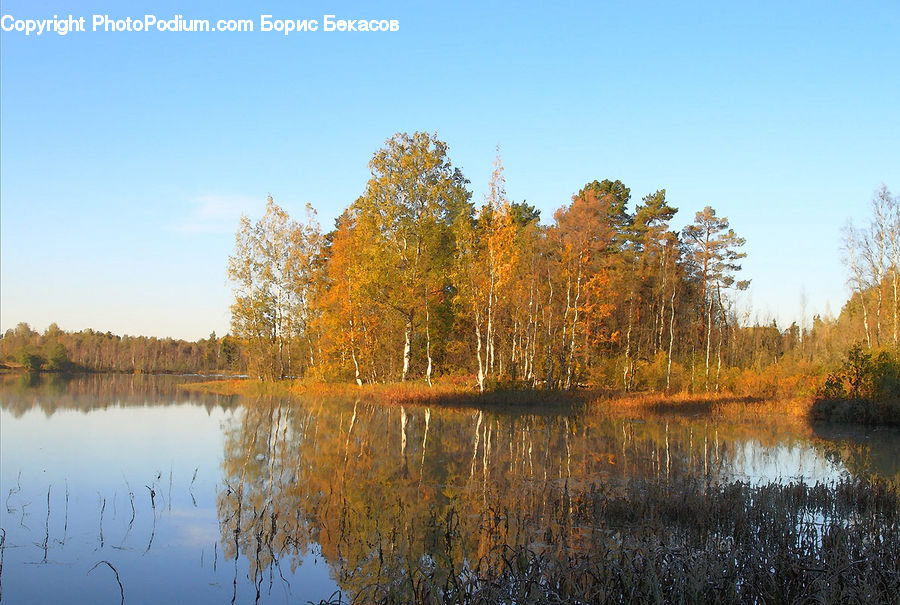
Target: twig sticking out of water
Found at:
x=115, y=571
x=66, y=522
x=2, y=549
x=191, y=487
x=24, y=514
x=47, y=526
x=153, y=506
x=131, y=497
x=131, y=522
x=152, y=499
x=13, y=491
x=171, y=470
x=102, y=510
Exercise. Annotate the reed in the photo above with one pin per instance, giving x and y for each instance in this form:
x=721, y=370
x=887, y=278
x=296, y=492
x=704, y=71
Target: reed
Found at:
x=115, y=571
x=652, y=541
x=2, y=552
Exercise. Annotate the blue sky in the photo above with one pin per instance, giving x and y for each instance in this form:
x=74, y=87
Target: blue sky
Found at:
x=126, y=158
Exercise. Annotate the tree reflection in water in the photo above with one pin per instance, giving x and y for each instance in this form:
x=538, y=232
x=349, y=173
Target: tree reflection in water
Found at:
x=406, y=502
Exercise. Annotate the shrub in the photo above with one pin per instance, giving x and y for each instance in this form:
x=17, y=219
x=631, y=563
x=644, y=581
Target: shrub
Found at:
x=30, y=361
x=865, y=389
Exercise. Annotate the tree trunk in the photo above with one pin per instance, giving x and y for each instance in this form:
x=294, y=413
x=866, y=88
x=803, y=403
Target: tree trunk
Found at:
x=549, y=369
x=862, y=301
x=571, y=362
x=718, y=358
x=708, y=341
x=671, y=337
x=565, y=326
x=880, y=299
x=427, y=341
x=662, y=302
x=490, y=324
x=894, y=283
x=407, y=347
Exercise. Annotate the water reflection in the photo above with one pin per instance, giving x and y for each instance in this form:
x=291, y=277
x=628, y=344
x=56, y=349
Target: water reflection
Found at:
x=389, y=492
x=20, y=393
x=271, y=500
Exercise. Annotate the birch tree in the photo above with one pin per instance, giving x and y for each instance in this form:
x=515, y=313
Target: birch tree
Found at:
x=411, y=202
x=271, y=270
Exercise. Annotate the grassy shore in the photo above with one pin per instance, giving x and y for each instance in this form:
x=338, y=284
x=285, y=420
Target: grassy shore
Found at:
x=448, y=392
x=462, y=392
x=459, y=393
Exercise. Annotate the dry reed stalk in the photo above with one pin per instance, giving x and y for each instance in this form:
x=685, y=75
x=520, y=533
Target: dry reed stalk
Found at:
x=115, y=571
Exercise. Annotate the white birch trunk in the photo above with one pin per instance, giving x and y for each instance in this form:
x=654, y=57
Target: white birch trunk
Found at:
x=407, y=348
x=427, y=341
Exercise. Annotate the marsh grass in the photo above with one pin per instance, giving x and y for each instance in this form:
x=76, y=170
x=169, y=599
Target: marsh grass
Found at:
x=694, y=542
x=722, y=406
x=458, y=393
x=449, y=392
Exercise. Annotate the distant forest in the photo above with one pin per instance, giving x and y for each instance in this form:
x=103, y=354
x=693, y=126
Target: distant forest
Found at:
x=88, y=350
x=415, y=281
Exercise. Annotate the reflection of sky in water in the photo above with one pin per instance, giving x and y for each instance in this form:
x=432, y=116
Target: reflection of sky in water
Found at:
x=93, y=454
x=754, y=462
x=103, y=445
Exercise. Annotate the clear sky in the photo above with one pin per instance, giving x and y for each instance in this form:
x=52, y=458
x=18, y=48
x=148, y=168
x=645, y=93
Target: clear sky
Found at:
x=126, y=158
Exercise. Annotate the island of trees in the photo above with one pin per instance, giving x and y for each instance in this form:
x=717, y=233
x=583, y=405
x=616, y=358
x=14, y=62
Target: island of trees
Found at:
x=416, y=280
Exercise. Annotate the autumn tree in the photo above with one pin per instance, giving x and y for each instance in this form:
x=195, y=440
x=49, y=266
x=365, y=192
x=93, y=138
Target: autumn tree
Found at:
x=272, y=272
x=585, y=234
x=487, y=255
x=404, y=219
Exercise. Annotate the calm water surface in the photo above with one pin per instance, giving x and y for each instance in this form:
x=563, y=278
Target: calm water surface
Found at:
x=213, y=499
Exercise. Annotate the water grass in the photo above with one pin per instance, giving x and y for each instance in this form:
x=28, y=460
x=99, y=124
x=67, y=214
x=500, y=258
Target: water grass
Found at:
x=692, y=542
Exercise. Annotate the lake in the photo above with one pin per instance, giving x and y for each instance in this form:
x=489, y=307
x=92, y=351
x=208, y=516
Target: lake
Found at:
x=119, y=485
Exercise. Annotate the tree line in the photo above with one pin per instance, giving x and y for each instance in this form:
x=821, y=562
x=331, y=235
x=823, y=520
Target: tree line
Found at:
x=416, y=280
x=89, y=350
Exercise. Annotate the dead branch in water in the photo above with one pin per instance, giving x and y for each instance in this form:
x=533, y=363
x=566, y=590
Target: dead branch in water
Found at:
x=115, y=571
x=47, y=527
x=152, y=499
x=102, y=510
x=153, y=506
x=66, y=521
x=191, y=487
x=13, y=491
x=2, y=550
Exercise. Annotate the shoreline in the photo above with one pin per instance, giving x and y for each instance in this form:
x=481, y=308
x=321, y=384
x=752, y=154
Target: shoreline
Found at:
x=458, y=394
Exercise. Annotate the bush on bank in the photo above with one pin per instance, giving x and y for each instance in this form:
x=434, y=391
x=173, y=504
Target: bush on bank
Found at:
x=865, y=389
